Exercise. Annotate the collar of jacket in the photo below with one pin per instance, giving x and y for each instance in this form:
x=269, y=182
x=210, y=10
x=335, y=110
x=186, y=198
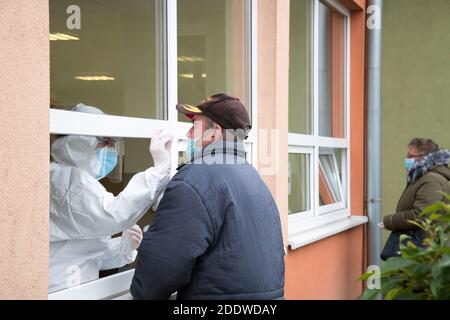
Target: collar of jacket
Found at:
x=421, y=167
x=220, y=152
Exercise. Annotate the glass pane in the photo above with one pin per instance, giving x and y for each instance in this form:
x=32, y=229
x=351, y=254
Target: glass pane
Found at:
x=330, y=177
x=211, y=50
x=132, y=156
x=106, y=54
x=299, y=183
x=332, y=40
x=300, y=115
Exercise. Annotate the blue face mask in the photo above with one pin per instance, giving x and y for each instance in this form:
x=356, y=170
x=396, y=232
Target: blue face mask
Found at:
x=191, y=148
x=108, y=160
x=409, y=164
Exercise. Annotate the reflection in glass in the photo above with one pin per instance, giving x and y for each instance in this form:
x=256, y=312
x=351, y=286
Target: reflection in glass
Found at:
x=300, y=116
x=299, y=183
x=332, y=40
x=330, y=178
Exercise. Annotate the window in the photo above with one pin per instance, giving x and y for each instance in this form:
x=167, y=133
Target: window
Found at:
x=299, y=178
x=113, y=61
x=318, y=113
x=212, y=55
x=135, y=60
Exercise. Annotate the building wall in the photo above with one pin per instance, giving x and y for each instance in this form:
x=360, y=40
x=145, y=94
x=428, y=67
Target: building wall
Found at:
x=328, y=269
x=415, y=85
x=24, y=99
x=273, y=58
x=325, y=269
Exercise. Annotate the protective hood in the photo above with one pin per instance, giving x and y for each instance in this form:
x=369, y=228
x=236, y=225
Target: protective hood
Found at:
x=77, y=151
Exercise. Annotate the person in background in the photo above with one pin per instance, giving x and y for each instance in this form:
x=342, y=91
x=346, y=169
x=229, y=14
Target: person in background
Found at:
x=217, y=231
x=84, y=215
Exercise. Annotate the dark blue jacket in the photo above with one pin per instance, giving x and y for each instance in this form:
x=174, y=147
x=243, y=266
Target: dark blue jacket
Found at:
x=216, y=235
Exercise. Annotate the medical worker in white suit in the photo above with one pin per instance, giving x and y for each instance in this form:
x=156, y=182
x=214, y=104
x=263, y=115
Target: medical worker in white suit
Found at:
x=84, y=215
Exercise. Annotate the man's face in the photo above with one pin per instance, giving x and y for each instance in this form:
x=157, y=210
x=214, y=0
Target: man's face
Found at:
x=200, y=133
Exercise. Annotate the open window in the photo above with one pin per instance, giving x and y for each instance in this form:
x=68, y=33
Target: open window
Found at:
x=318, y=114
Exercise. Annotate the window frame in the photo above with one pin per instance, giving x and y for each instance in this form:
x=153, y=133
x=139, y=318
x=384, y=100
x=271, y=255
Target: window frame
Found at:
x=323, y=215
x=67, y=122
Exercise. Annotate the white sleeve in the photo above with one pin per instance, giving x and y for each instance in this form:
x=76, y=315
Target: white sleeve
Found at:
x=113, y=258
x=86, y=210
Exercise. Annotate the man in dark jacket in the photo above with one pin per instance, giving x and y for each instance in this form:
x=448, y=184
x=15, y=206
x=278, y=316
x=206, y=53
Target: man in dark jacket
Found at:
x=217, y=232
x=428, y=176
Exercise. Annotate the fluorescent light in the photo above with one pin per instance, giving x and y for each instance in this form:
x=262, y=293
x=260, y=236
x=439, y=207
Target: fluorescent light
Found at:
x=187, y=75
x=203, y=75
x=62, y=37
x=95, y=78
x=190, y=59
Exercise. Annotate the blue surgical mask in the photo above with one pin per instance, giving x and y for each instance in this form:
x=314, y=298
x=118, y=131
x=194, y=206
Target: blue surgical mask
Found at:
x=409, y=164
x=191, y=148
x=108, y=159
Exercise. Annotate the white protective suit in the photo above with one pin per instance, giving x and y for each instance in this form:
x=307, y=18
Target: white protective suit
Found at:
x=83, y=214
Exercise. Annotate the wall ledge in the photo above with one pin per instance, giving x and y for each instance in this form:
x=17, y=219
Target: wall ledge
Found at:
x=303, y=238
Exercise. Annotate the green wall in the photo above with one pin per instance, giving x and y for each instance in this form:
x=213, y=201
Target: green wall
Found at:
x=415, y=85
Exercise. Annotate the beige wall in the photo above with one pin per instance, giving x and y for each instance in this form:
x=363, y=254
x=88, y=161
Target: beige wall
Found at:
x=24, y=98
x=273, y=90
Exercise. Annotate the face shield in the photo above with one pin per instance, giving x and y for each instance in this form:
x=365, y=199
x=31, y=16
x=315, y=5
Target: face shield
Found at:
x=118, y=144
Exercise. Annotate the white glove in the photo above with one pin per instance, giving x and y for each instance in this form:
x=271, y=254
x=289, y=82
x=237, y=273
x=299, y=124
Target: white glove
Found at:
x=160, y=149
x=131, y=239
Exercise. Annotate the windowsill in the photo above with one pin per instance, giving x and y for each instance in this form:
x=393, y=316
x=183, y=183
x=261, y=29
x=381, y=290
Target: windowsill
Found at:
x=115, y=287
x=305, y=237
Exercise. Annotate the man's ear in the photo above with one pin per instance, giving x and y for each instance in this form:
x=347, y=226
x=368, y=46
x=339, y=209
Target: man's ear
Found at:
x=218, y=132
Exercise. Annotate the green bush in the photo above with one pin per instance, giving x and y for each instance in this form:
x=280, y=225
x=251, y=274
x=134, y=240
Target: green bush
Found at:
x=419, y=273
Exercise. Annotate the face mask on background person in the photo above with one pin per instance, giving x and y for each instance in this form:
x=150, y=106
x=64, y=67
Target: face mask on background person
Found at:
x=409, y=164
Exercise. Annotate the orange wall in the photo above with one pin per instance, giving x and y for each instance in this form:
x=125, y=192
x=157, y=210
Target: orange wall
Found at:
x=327, y=269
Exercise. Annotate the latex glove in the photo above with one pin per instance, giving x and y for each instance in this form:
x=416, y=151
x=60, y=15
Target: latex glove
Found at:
x=160, y=149
x=131, y=239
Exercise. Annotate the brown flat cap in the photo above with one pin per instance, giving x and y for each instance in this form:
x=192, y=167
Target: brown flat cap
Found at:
x=225, y=110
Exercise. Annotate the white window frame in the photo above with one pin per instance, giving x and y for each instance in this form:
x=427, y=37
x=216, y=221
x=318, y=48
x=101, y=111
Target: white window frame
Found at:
x=325, y=209
x=67, y=122
x=323, y=215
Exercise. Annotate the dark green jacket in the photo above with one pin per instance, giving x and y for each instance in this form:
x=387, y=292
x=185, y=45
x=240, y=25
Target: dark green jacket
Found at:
x=418, y=195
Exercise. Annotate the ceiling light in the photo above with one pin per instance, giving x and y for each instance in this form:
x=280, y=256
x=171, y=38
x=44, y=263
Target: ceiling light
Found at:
x=187, y=75
x=190, y=59
x=62, y=37
x=95, y=78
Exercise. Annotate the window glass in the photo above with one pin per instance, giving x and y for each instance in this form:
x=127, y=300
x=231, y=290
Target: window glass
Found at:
x=299, y=183
x=105, y=53
x=211, y=50
x=332, y=40
x=300, y=109
x=330, y=177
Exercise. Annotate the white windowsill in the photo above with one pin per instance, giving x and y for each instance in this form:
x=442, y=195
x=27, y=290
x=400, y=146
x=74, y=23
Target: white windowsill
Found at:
x=303, y=238
x=115, y=287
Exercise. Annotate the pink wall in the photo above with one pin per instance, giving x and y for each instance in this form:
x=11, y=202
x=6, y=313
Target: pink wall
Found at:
x=24, y=156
